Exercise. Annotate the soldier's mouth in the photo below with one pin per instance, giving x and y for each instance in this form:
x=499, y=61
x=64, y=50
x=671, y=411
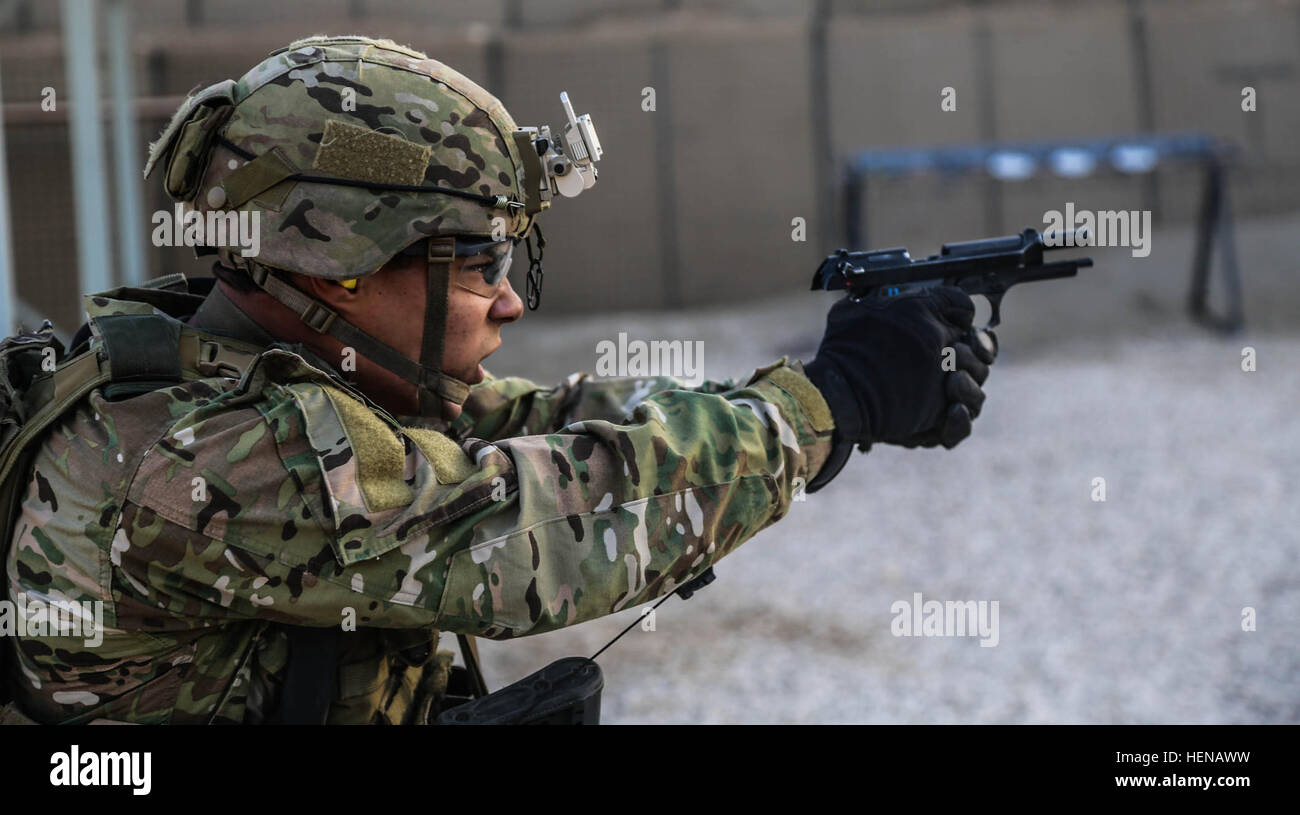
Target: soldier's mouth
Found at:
x=480, y=373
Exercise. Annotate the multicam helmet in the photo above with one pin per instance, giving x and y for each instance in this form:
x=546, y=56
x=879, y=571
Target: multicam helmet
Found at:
x=354, y=150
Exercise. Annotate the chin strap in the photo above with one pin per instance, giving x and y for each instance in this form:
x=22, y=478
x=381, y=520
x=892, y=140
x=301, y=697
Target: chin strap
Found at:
x=432, y=385
x=441, y=253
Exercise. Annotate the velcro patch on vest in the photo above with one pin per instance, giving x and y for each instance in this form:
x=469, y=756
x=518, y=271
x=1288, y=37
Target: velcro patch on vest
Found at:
x=380, y=454
x=359, y=154
x=450, y=464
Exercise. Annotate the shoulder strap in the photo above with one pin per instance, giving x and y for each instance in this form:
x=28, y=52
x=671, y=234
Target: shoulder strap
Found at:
x=51, y=398
x=143, y=352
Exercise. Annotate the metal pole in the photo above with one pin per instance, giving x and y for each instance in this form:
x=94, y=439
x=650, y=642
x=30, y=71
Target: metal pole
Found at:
x=87, y=136
x=126, y=141
x=1139, y=41
x=8, y=288
x=1235, y=319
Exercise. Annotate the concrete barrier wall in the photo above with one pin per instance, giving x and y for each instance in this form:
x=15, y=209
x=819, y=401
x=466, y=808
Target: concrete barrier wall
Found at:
x=742, y=157
x=886, y=80
x=1063, y=74
x=697, y=197
x=603, y=248
x=1202, y=54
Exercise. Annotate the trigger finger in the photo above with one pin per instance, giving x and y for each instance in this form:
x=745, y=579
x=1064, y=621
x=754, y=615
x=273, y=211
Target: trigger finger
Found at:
x=984, y=343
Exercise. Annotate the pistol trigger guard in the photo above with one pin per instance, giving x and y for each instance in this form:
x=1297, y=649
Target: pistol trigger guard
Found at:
x=995, y=315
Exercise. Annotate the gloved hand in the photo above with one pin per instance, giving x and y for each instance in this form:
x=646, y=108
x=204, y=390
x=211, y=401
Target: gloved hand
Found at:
x=880, y=369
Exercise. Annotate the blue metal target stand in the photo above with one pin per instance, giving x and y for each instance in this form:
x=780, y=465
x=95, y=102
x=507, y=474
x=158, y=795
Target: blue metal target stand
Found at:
x=1127, y=156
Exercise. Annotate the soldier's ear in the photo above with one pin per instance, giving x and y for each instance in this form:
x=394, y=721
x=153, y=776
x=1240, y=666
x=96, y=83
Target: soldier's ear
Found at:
x=328, y=291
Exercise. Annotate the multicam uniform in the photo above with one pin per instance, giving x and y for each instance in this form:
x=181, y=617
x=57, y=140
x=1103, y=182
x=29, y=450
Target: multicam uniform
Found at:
x=205, y=514
x=218, y=519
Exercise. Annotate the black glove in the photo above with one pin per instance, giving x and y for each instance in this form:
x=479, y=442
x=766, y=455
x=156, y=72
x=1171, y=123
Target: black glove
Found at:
x=880, y=369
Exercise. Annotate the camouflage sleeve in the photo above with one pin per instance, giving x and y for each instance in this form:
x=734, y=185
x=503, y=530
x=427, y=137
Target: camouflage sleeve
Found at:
x=504, y=539
x=513, y=406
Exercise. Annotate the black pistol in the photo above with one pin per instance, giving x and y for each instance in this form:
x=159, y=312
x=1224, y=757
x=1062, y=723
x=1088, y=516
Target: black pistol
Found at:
x=988, y=267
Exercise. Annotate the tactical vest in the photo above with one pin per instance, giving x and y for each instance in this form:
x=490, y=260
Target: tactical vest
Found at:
x=370, y=676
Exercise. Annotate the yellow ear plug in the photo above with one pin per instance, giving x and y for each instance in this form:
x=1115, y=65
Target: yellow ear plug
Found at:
x=350, y=285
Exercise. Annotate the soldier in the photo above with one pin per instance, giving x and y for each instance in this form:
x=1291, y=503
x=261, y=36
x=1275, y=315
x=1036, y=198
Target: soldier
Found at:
x=315, y=442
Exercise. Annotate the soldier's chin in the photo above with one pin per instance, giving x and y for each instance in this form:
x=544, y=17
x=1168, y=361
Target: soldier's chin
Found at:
x=473, y=378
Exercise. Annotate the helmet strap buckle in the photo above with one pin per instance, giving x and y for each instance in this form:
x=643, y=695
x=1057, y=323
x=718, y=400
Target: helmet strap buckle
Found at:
x=317, y=317
x=441, y=250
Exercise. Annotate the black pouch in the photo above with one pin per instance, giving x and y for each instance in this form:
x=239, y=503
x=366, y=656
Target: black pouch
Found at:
x=565, y=692
x=23, y=359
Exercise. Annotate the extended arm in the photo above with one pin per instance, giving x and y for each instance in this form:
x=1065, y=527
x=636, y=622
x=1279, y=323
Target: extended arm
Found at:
x=513, y=406
x=501, y=539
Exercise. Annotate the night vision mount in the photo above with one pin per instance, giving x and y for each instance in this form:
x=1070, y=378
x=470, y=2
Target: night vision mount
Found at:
x=552, y=169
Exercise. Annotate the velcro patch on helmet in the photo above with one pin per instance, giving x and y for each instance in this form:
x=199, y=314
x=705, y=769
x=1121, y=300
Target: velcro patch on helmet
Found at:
x=359, y=154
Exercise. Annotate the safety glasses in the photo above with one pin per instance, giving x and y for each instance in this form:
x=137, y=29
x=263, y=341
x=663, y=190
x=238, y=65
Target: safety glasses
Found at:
x=485, y=266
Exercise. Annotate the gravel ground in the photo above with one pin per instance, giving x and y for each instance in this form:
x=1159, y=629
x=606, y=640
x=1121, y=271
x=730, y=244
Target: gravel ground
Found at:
x=1122, y=611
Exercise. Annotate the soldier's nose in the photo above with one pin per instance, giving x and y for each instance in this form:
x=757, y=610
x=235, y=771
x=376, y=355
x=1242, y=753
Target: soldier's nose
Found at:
x=507, y=307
